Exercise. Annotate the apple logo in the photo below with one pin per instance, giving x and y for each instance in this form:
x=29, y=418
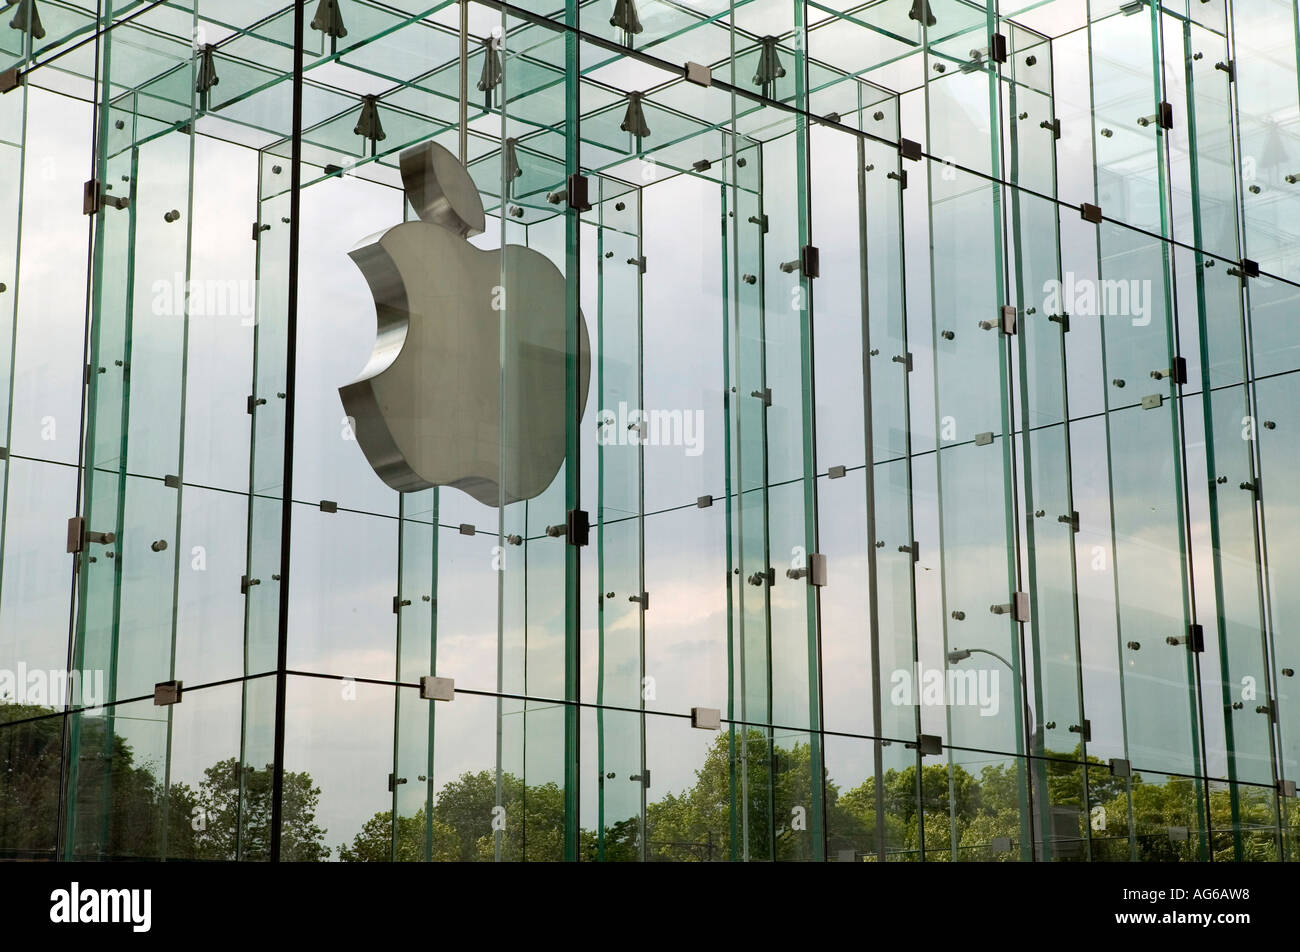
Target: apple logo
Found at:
x=443, y=400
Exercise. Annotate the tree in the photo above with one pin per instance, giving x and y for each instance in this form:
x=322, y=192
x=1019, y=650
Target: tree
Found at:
x=466, y=820
x=234, y=804
x=122, y=809
x=376, y=843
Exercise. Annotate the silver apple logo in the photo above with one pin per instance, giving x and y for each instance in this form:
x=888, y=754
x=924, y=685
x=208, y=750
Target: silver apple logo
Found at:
x=444, y=400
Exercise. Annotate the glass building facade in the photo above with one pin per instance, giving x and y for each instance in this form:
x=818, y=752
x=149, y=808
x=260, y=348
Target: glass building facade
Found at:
x=864, y=431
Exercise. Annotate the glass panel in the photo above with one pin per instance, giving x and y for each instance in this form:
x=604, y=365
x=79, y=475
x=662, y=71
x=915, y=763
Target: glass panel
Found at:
x=782, y=432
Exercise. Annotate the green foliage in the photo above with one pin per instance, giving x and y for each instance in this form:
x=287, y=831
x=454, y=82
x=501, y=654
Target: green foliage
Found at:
x=123, y=809
x=235, y=823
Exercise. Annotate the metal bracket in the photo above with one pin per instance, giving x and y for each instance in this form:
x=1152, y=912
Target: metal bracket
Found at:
x=329, y=505
x=172, y=482
x=167, y=693
x=998, y=48
x=760, y=221
x=810, y=261
x=255, y=402
x=1084, y=730
x=1090, y=213
x=245, y=583
x=399, y=603
x=914, y=550
x=909, y=149
x=984, y=439
x=1120, y=767
x=10, y=80
x=466, y=529
x=1165, y=115
x=1178, y=371
x=1053, y=126
x=1248, y=269
x=900, y=176
x=577, y=526
x=393, y=781
x=639, y=262
x=764, y=395
x=905, y=360
x=437, y=689
x=643, y=600
x=1153, y=401
x=1196, y=638
x=929, y=744
x=703, y=502
x=1009, y=314
x=1017, y=608
x=577, y=193
x=1072, y=520
x=837, y=472
x=706, y=718
x=1229, y=67
x=816, y=569
x=698, y=74
x=643, y=779
x=1286, y=788
x=1062, y=319
x=92, y=199
x=78, y=535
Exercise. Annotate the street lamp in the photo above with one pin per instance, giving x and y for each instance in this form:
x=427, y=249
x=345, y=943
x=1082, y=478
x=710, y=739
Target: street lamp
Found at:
x=1034, y=737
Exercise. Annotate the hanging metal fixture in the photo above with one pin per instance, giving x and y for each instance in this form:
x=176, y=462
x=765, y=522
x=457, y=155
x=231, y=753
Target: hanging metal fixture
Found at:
x=769, y=66
x=513, y=171
x=625, y=18
x=921, y=12
x=27, y=19
x=207, y=74
x=634, y=119
x=491, y=76
x=368, y=124
x=329, y=20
